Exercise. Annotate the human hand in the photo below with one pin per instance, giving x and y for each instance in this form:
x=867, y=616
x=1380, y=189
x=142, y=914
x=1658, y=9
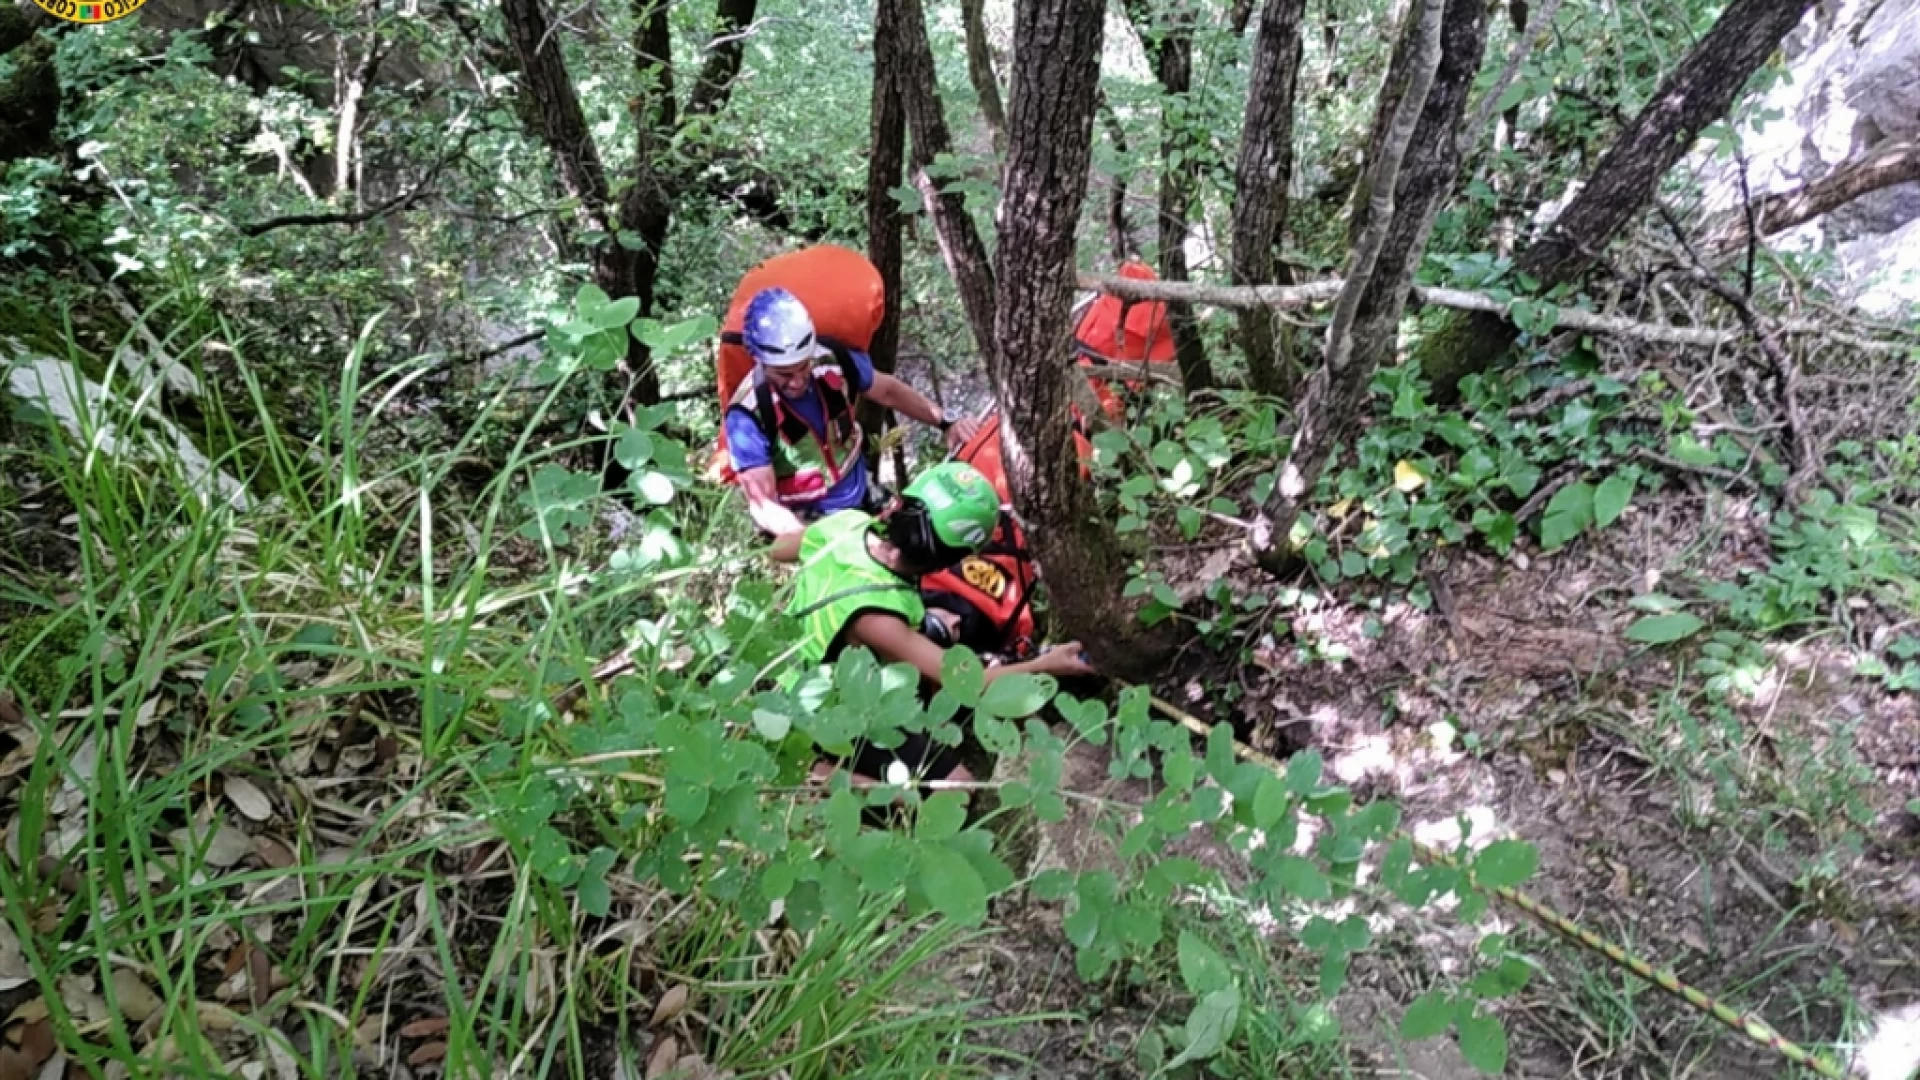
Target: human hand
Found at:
x=961, y=431
x=1068, y=659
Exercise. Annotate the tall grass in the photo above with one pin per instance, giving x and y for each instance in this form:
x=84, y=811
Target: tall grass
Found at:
x=262, y=818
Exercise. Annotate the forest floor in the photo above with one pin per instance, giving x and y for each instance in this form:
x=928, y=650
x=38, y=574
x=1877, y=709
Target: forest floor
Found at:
x=1710, y=835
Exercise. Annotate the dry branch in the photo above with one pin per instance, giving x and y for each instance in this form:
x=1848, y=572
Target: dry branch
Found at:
x=1285, y=297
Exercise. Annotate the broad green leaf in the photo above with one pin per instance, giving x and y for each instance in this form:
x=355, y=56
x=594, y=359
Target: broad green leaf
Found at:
x=963, y=675
x=1303, y=772
x=1053, y=885
x=953, y=885
x=1508, y=977
x=941, y=816
x=1612, y=497
x=1211, y=1024
x=589, y=300
x=1300, y=878
x=771, y=725
x=1269, y=801
x=1505, y=863
x=1664, y=629
x=616, y=314
x=1500, y=529
x=1017, y=695
x=1333, y=972
x=1428, y=1016
x=1483, y=1042
x=1202, y=969
x=1568, y=514
x=655, y=487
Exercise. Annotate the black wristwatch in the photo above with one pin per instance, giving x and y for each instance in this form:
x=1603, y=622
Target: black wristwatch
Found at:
x=943, y=423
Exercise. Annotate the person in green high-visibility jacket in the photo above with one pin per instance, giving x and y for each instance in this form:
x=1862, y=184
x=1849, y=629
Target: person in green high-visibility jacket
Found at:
x=859, y=584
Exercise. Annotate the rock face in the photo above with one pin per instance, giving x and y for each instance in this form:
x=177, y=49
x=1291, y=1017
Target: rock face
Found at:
x=1853, y=79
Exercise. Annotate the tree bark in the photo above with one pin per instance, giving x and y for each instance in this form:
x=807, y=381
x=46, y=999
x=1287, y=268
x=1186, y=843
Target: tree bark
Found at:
x=1119, y=223
x=986, y=86
x=1050, y=140
x=1696, y=93
x=965, y=254
x=30, y=90
x=1413, y=157
x=885, y=168
x=1261, y=176
x=1170, y=46
x=634, y=229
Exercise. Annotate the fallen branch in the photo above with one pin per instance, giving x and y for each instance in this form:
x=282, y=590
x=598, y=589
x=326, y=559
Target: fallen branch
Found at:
x=1284, y=297
x=1888, y=162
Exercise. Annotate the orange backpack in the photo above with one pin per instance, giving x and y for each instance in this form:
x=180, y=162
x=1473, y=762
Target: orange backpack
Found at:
x=840, y=287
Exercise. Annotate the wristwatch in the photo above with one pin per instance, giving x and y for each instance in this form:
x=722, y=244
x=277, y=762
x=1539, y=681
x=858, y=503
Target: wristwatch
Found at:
x=943, y=423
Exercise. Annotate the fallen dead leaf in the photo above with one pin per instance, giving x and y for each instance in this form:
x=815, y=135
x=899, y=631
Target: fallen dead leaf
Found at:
x=10, y=713
x=29, y=1012
x=672, y=1004
x=252, y=803
x=272, y=852
x=23, y=1062
x=225, y=847
x=14, y=970
x=135, y=999
x=284, y=1065
x=427, y=1053
x=214, y=1016
x=260, y=977
x=425, y=1026
x=665, y=1053
x=77, y=993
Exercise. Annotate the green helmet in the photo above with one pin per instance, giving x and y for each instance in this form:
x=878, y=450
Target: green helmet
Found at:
x=961, y=504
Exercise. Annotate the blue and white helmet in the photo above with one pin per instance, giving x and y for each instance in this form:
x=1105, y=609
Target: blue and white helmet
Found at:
x=778, y=331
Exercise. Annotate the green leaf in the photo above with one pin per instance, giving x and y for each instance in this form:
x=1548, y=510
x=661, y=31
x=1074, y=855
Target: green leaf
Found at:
x=589, y=300
x=655, y=487
x=1483, y=1042
x=1053, y=885
x=1568, y=514
x=1428, y=1016
x=1017, y=695
x=1505, y=863
x=1508, y=977
x=1611, y=500
x=1333, y=972
x=941, y=816
x=953, y=885
x=1270, y=801
x=963, y=675
x=596, y=898
x=1211, y=1024
x=1202, y=969
x=1300, y=878
x=616, y=314
x=1664, y=629
x=1303, y=772
x=771, y=725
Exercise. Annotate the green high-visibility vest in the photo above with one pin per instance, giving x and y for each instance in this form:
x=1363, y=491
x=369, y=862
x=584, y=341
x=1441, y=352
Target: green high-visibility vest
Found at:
x=838, y=580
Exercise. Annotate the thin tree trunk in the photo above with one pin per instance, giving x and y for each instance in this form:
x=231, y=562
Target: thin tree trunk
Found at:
x=986, y=86
x=1119, y=225
x=885, y=161
x=1050, y=138
x=1170, y=46
x=1261, y=177
x=1695, y=94
x=960, y=244
x=561, y=124
x=1421, y=103
x=353, y=89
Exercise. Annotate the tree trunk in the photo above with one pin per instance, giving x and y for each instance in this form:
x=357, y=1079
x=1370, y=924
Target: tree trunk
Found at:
x=561, y=125
x=1050, y=142
x=986, y=86
x=1119, y=224
x=1170, y=46
x=1260, y=181
x=1695, y=94
x=29, y=90
x=885, y=160
x=1413, y=157
x=905, y=24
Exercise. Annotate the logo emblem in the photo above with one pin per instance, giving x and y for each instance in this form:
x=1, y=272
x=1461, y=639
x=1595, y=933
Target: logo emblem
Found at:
x=984, y=576
x=89, y=11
